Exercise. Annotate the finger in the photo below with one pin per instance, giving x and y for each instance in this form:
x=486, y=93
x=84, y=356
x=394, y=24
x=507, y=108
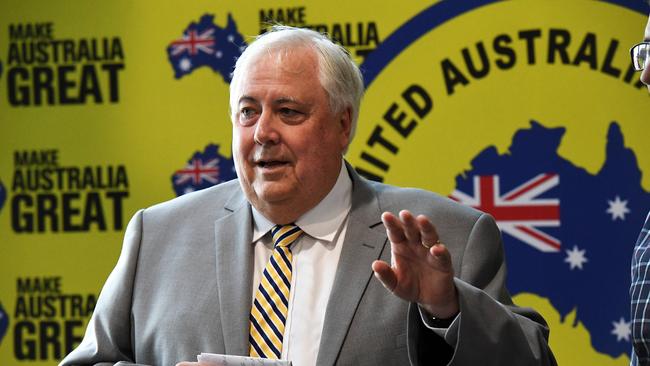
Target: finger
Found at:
x=427, y=231
x=441, y=258
x=411, y=229
x=385, y=274
x=393, y=227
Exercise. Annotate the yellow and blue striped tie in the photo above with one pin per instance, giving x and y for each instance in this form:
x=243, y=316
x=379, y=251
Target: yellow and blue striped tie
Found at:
x=270, y=307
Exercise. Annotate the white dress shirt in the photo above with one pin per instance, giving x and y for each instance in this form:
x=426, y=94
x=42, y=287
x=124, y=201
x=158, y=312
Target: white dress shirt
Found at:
x=315, y=259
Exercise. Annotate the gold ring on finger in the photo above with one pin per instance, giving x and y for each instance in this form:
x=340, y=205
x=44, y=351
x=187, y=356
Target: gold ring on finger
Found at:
x=428, y=246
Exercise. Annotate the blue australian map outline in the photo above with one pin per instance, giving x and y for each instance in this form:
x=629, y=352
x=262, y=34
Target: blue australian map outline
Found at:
x=596, y=287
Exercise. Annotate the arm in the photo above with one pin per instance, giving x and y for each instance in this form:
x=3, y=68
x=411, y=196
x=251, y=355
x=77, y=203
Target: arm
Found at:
x=489, y=329
x=108, y=336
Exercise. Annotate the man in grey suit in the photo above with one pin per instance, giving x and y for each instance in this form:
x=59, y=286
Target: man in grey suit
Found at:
x=196, y=273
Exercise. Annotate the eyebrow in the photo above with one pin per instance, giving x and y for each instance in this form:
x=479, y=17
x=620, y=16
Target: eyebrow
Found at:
x=285, y=100
x=281, y=100
x=247, y=98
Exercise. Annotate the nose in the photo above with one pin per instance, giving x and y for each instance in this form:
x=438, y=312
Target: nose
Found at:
x=266, y=131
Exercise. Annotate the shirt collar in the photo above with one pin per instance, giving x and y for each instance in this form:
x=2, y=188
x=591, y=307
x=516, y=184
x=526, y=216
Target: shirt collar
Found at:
x=321, y=222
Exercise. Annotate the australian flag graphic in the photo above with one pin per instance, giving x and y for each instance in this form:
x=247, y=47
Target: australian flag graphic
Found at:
x=205, y=169
x=205, y=44
x=568, y=234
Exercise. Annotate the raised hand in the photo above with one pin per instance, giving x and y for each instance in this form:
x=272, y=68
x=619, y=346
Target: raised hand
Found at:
x=420, y=269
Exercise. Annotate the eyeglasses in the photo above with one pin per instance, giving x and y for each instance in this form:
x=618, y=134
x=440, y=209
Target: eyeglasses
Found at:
x=640, y=55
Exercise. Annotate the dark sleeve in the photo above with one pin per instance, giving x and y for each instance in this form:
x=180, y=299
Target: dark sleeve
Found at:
x=491, y=330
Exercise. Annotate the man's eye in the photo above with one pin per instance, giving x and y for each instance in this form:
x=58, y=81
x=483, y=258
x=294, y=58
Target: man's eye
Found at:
x=247, y=116
x=247, y=112
x=288, y=112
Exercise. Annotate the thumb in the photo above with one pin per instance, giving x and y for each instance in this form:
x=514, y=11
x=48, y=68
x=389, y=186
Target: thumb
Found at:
x=385, y=274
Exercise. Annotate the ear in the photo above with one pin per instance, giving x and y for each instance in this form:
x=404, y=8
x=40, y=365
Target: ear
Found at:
x=345, y=125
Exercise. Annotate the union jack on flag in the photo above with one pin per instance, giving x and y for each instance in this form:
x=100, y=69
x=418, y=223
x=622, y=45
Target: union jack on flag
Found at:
x=519, y=212
x=203, y=170
x=197, y=171
x=205, y=44
x=193, y=42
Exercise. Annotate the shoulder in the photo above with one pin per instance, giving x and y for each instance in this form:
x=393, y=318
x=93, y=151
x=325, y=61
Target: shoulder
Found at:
x=420, y=201
x=460, y=227
x=210, y=203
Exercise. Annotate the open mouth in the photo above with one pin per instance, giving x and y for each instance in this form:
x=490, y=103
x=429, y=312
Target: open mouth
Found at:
x=270, y=163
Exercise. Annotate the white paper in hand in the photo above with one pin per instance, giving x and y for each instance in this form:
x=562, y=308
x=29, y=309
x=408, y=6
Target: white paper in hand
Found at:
x=213, y=359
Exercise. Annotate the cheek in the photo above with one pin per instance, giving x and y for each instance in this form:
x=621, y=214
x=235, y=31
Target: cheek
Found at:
x=241, y=142
x=236, y=148
x=239, y=156
x=335, y=140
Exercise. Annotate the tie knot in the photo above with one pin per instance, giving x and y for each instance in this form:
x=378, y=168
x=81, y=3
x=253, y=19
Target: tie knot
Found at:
x=284, y=235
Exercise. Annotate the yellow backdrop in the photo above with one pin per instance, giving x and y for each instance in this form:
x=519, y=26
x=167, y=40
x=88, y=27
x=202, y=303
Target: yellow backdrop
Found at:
x=105, y=105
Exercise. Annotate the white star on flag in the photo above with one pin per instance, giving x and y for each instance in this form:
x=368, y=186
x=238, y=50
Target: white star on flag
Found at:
x=218, y=54
x=617, y=208
x=185, y=64
x=576, y=257
x=622, y=330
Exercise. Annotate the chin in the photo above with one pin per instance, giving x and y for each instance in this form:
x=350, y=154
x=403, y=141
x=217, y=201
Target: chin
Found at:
x=273, y=197
x=271, y=192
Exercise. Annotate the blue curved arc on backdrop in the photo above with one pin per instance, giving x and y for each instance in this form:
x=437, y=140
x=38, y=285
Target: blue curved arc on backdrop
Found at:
x=431, y=18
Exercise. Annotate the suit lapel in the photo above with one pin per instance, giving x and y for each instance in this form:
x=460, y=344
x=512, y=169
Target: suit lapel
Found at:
x=233, y=236
x=364, y=241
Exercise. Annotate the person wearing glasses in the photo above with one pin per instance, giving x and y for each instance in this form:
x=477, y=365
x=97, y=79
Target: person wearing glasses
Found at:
x=640, y=288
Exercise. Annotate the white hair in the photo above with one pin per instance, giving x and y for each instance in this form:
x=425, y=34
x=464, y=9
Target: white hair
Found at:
x=338, y=74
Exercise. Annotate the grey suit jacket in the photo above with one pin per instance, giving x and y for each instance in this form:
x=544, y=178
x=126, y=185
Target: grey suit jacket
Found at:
x=183, y=286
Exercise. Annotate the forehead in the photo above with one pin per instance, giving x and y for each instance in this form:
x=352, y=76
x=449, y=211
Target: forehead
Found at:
x=291, y=67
